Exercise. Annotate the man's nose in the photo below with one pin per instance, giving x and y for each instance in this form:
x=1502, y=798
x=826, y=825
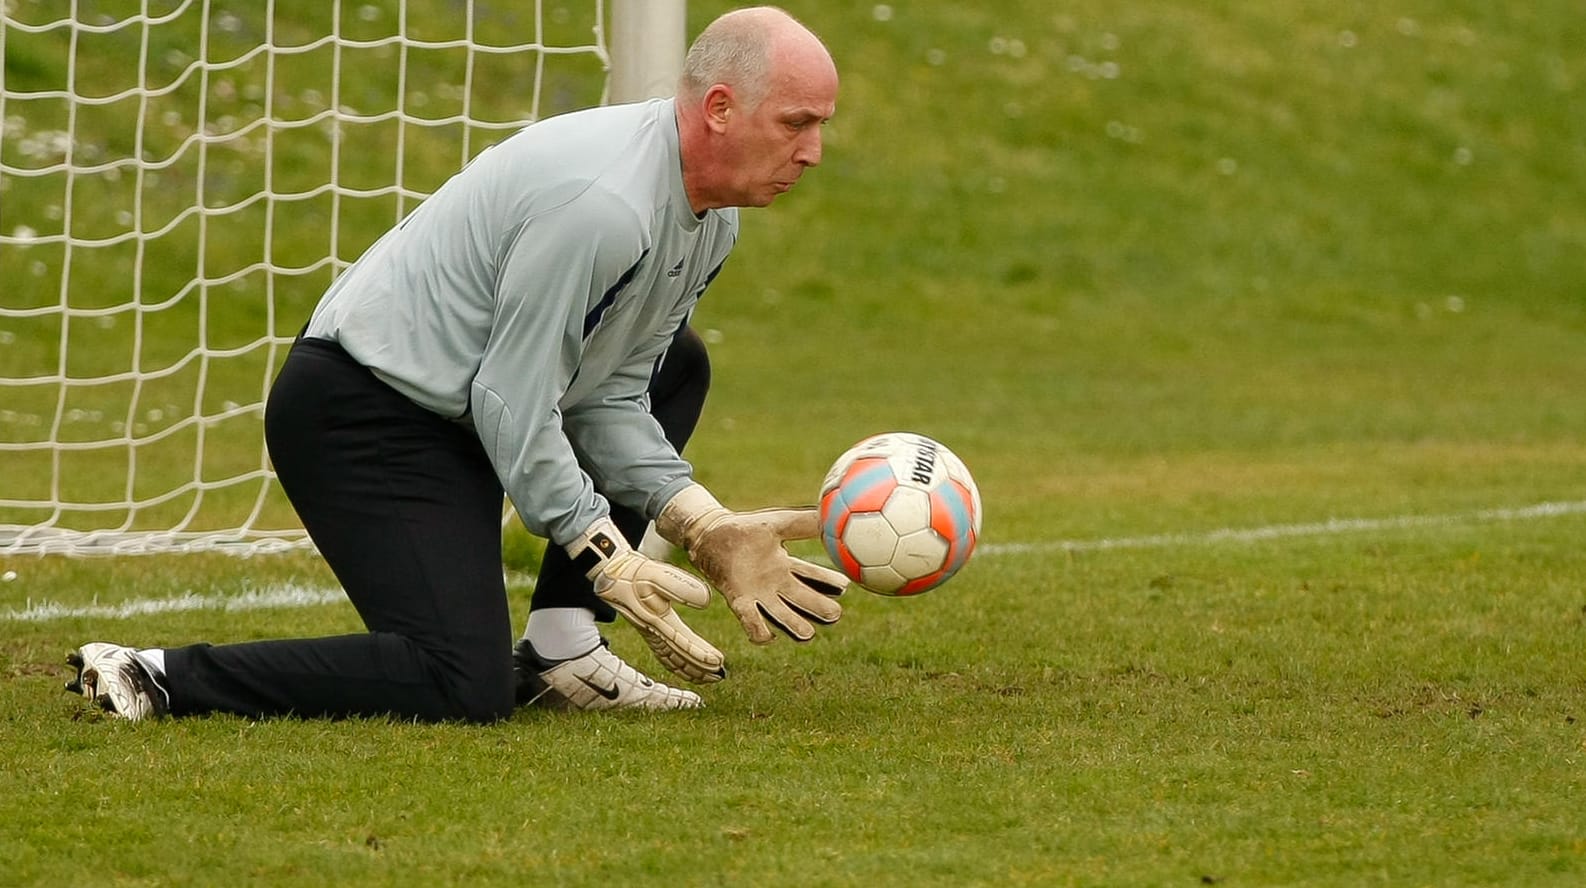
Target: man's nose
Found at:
x=809, y=149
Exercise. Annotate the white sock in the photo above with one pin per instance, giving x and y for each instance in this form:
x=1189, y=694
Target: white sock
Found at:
x=561, y=633
x=655, y=546
x=153, y=659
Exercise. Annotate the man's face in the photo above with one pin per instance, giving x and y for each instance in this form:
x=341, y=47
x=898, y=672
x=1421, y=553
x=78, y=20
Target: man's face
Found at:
x=776, y=140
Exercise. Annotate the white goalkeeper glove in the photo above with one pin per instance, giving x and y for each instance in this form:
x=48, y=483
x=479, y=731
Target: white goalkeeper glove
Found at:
x=643, y=590
x=742, y=554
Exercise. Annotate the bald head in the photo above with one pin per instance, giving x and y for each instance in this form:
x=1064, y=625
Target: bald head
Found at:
x=746, y=50
x=756, y=88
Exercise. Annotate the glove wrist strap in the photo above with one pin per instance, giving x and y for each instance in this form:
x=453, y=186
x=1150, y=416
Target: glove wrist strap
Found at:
x=596, y=546
x=684, y=511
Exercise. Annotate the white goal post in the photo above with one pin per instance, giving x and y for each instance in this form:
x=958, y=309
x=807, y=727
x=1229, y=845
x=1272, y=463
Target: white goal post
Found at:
x=180, y=180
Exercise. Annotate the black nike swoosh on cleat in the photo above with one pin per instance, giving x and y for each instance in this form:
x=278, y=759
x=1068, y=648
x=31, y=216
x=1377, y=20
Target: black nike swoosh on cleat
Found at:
x=609, y=693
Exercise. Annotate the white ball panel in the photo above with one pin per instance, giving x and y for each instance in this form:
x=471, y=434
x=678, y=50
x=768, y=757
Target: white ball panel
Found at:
x=920, y=553
x=870, y=539
x=908, y=509
x=881, y=579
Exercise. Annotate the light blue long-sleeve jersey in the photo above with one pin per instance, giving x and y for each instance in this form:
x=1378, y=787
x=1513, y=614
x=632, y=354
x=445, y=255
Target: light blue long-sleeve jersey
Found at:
x=534, y=294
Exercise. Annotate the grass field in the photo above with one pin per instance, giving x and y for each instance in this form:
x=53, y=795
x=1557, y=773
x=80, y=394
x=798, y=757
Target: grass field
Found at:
x=1261, y=327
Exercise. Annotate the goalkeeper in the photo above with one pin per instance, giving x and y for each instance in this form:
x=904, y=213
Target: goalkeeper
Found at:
x=525, y=331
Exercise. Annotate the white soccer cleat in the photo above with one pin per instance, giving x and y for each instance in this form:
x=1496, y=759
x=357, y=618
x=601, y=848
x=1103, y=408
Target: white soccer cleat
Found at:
x=113, y=677
x=596, y=680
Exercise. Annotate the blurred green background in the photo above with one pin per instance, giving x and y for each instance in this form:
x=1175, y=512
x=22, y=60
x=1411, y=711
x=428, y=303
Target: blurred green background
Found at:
x=1240, y=263
x=1164, y=265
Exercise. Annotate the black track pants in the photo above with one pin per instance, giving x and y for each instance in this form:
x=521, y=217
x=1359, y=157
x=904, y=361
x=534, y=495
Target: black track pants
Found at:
x=406, y=509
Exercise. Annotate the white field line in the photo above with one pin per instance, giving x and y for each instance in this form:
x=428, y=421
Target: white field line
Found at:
x=254, y=599
x=292, y=595
x=286, y=595
x=1333, y=527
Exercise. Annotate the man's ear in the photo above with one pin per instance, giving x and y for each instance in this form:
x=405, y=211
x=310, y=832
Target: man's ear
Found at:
x=718, y=104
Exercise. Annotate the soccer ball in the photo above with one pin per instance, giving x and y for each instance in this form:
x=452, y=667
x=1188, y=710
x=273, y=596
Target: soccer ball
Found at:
x=899, y=513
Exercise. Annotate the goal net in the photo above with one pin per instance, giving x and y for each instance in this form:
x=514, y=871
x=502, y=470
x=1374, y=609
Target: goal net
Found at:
x=179, y=182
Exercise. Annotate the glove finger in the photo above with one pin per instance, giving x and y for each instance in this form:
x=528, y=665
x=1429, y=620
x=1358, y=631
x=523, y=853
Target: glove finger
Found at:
x=690, y=647
x=682, y=649
x=753, y=622
x=808, y=602
x=675, y=660
x=793, y=524
x=785, y=618
x=673, y=584
x=822, y=579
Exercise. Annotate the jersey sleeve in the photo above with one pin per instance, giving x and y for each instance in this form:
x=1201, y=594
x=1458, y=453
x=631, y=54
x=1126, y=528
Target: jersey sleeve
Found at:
x=619, y=441
x=561, y=265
